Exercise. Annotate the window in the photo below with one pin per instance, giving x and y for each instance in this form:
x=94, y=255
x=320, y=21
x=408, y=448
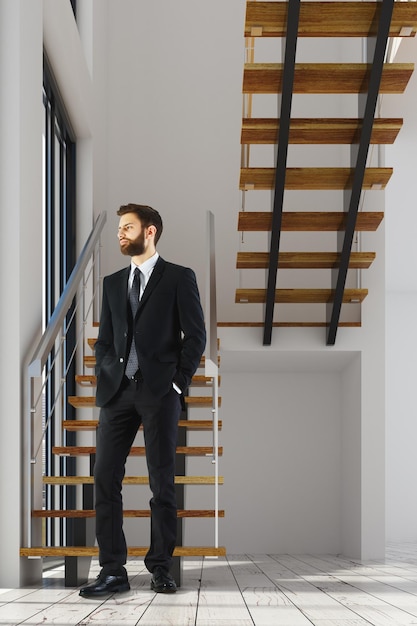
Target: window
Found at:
x=59, y=251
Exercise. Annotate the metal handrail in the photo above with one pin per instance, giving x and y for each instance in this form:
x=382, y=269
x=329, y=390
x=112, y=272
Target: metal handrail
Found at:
x=48, y=338
x=87, y=264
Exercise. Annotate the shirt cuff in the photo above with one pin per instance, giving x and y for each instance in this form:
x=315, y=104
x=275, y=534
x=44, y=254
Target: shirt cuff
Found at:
x=177, y=389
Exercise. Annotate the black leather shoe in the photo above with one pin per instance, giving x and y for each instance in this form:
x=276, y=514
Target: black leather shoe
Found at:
x=104, y=585
x=162, y=581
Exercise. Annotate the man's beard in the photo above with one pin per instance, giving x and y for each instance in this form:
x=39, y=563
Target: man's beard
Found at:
x=135, y=247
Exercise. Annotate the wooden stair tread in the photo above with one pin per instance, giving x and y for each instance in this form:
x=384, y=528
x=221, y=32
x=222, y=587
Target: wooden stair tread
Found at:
x=92, y=342
x=134, y=451
x=326, y=19
x=86, y=380
x=131, y=551
x=131, y=480
x=191, y=401
x=319, y=130
x=75, y=425
x=313, y=178
x=302, y=296
x=286, y=324
x=308, y=220
x=303, y=260
x=197, y=381
x=87, y=513
x=82, y=401
x=325, y=78
x=90, y=361
x=79, y=425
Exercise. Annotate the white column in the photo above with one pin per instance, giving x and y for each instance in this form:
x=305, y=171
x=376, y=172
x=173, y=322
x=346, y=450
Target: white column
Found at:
x=20, y=255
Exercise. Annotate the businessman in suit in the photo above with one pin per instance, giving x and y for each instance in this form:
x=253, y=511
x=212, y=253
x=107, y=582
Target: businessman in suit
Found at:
x=149, y=345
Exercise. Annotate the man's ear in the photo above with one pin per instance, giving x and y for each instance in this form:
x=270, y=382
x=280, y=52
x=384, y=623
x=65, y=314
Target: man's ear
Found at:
x=150, y=231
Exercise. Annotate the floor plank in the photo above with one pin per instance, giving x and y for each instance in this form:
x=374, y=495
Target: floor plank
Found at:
x=267, y=605
x=220, y=599
x=238, y=590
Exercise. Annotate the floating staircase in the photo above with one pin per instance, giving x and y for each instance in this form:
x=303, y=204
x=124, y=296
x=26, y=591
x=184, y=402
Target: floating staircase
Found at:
x=375, y=21
x=77, y=557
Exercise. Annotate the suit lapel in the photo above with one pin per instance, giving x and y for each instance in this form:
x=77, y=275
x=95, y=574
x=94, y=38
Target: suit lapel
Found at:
x=153, y=281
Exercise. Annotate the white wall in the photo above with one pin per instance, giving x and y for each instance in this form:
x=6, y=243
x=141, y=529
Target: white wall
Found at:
x=281, y=465
x=361, y=414
x=20, y=260
x=351, y=461
x=174, y=116
x=401, y=305
x=401, y=416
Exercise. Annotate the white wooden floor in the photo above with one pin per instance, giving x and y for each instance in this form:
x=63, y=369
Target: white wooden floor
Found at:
x=267, y=590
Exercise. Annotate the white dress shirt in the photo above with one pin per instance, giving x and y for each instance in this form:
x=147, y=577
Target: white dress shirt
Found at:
x=146, y=271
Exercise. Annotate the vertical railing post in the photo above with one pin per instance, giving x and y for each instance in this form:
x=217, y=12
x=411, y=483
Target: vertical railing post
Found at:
x=29, y=466
x=215, y=413
x=211, y=363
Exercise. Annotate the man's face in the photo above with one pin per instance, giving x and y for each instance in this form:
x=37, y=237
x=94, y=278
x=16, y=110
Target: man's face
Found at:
x=131, y=235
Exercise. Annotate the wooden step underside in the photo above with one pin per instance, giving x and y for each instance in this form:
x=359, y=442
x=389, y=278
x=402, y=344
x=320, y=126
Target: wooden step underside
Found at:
x=319, y=131
x=131, y=551
x=299, y=296
x=78, y=425
x=313, y=178
x=328, y=19
x=320, y=221
x=191, y=401
x=131, y=513
x=134, y=451
x=131, y=480
x=197, y=381
x=303, y=260
x=325, y=78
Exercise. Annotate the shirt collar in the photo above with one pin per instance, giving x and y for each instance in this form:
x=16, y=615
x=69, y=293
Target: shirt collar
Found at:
x=147, y=266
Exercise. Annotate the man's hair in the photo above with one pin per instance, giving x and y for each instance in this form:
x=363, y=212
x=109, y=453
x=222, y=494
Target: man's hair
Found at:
x=146, y=214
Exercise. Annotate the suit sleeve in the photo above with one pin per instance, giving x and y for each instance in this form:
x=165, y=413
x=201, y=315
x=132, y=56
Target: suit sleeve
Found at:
x=192, y=325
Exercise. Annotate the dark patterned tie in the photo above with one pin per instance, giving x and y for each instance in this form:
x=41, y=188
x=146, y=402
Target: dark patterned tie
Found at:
x=132, y=361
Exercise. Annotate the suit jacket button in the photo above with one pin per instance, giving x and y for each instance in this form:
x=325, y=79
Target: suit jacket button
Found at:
x=121, y=360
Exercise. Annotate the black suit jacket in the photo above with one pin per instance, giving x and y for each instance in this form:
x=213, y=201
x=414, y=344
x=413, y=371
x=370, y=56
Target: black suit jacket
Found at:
x=168, y=330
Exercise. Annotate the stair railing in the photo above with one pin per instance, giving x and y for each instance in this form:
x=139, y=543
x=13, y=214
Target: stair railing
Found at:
x=211, y=361
x=79, y=302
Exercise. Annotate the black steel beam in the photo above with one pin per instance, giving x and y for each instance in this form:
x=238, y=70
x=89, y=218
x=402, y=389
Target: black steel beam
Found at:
x=359, y=169
x=281, y=166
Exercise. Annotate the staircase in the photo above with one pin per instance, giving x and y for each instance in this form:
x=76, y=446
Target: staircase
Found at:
x=338, y=284
x=77, y=571
x=59, y=494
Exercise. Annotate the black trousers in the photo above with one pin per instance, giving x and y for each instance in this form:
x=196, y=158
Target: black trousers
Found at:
x=118, y=424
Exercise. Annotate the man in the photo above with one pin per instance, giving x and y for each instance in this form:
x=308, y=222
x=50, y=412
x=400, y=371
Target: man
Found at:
x=149, y=345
